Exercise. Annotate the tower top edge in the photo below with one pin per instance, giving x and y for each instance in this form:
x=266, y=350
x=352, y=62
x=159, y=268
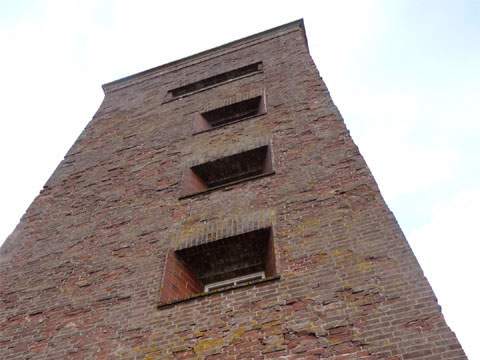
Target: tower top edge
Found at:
x=173, y=65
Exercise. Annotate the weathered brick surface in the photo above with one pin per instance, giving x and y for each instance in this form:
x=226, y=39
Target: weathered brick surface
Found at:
x=81, y=275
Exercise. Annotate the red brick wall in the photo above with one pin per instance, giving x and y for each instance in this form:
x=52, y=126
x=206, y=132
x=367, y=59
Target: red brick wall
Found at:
x=81, y=275
x=192, y=183
x=178, y=281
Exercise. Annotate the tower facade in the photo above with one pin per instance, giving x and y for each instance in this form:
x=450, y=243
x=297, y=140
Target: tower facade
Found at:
x=216, y=207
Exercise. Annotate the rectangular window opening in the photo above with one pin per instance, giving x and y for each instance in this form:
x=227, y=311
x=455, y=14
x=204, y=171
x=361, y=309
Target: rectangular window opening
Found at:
x=230, y=113
x=215, y=80
x=230, y=169
x=219, y=265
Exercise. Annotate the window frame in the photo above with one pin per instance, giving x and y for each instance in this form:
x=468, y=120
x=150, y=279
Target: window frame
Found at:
x=234, y=282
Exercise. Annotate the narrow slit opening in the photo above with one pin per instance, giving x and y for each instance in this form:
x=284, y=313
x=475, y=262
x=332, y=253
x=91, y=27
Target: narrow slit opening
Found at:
x=215, y=80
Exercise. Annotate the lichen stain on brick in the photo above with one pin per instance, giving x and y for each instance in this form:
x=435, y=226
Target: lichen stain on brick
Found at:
x=205, y=345
x=237, y=334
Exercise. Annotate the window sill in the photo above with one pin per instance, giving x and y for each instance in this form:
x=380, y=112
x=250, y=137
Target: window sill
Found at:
x=205, y=294
x=229, y=123
x=206, y=191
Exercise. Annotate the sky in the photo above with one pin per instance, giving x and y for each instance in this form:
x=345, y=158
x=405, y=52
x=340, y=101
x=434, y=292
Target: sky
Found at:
x=404, y=74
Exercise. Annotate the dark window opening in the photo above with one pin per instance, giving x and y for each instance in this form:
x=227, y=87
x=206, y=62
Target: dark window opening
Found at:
x=232, y=168
x=227, y=170
x=228, y=114
x=215, y=80
x=219, y=265
x=233, y=112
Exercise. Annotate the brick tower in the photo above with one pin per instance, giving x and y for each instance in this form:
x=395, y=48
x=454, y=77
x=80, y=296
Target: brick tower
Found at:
x=216, y=208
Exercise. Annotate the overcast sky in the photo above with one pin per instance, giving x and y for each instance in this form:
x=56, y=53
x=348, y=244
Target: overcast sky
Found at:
x=404, y=74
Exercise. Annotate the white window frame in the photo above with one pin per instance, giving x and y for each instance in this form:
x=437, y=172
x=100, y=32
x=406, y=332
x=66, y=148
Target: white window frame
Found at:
x=239, y=280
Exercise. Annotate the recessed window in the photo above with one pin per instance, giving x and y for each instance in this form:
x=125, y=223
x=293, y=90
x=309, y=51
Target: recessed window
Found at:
x=215, y=80
x=238, y=111
x=219, y=265
x=228, y=170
